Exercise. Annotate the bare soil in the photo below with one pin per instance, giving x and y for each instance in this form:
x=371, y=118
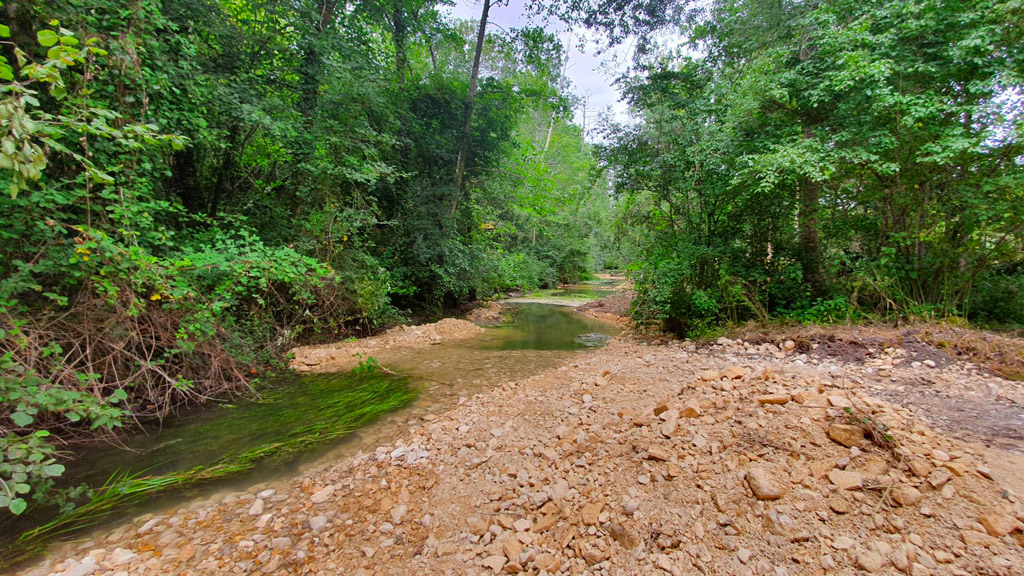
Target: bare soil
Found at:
x=744, y=457
x=615, y=305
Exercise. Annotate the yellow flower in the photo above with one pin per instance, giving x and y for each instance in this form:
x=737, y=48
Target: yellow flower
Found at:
x=154, y=297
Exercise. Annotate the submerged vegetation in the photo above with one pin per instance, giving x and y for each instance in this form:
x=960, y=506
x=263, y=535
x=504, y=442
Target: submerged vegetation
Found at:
x=281, y=426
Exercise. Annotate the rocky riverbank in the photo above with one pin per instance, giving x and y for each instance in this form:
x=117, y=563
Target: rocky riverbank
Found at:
x=345, y=355
x=738, y=458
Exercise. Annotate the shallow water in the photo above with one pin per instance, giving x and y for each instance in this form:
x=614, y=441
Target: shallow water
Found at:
x=295, y=405
x=539, y=338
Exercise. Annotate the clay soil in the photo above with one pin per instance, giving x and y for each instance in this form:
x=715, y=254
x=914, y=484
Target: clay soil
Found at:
x=865, y=451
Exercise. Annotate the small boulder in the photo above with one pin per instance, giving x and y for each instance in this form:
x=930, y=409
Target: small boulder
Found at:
x=848, y=435
x=997, y=523
x=774, y=399
x=733, y=373
x=763, y=485
x=846, y=480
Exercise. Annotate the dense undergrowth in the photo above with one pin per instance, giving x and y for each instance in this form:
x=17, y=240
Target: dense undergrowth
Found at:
x=826, y=162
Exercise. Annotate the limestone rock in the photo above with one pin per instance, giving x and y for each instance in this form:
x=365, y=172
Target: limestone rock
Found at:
x=846, y=480
x=848, y=435
x=905, y=495
x=733, y=373
x=997, y=523
x=763, y=485
x=774, y=399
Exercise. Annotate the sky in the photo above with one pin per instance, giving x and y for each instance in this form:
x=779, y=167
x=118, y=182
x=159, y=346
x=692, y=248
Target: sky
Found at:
x=592, y=75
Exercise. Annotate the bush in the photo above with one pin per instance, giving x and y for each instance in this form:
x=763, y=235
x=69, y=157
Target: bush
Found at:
x=998, y=299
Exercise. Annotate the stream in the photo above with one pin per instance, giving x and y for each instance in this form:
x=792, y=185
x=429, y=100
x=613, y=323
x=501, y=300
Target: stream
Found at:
x=539, y=337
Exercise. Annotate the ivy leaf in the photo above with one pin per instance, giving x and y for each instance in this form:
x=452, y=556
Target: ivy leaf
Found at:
x=53, y=470
x=47, y=37
x=17, y=506
x=21, y=419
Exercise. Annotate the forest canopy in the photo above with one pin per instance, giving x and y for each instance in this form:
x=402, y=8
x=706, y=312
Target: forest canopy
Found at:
x=826, y=161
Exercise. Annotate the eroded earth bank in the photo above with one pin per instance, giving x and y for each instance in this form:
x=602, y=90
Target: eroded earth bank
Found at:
x=780, y=457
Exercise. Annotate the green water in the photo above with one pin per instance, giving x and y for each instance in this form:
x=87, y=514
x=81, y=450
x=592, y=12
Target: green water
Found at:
x=546, y=327
x=293, y=405
x=304, y=420
x=587, y=290
x=295, y=413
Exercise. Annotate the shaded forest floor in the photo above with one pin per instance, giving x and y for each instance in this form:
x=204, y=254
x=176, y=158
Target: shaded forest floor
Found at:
x=811, y=451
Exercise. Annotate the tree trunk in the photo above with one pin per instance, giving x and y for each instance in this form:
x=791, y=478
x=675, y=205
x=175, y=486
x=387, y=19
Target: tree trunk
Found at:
x=313, y=62
x=400, y=35
x=474, y=78
x=551, y=129
x=810, y=243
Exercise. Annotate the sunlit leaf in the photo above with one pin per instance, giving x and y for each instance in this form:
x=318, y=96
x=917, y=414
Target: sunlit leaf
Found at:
x=47, y=37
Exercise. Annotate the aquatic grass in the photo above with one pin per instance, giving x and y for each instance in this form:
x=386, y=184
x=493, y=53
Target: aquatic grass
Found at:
x=351, y=408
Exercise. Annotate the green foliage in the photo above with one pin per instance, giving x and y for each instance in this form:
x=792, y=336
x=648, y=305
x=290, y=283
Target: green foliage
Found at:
x=825, y=161
x=367, y=365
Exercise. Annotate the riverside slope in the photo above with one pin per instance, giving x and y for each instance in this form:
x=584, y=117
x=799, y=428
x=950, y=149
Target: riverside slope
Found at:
x=633, y=459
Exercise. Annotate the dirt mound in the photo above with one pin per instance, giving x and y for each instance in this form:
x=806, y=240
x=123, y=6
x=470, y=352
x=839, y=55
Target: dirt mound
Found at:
x=345, y=355
x=487, y=314
x=616, y=305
